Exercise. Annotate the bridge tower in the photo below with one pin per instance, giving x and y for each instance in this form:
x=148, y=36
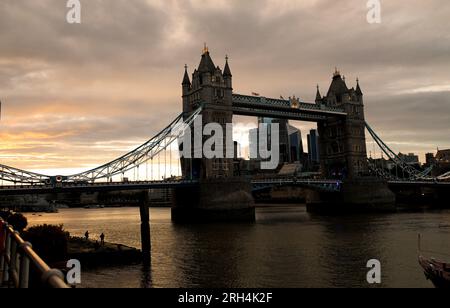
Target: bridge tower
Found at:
x=212, y=89
x=343, y=156
x=342, y=142
x=220, y=195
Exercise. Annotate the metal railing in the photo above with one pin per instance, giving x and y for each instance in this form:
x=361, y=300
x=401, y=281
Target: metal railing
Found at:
x=16, y=259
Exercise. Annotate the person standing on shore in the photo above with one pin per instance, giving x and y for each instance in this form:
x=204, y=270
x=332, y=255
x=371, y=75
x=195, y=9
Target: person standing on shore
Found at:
x=102, y=239
x=86, y=235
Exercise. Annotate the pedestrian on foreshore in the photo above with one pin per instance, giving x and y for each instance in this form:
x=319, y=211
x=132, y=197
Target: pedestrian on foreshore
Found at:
x=86, y=235
x=102, y=239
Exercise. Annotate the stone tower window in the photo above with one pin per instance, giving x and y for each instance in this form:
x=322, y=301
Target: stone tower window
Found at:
x=225, y=164
x=219, y=93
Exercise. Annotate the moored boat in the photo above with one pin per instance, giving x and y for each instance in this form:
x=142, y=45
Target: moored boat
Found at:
x=438, y=272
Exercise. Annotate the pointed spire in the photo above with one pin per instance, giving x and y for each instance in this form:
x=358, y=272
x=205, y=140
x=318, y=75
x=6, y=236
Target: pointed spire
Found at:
x=186, y=80
x=226, y=70
x=358, y=88
x=206, y=64
x=205, y=49
x=343, y=80
x=336, y=72
x=318, y=95
x=338, y=85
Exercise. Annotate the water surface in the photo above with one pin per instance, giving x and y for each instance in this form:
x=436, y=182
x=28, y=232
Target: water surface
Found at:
x=286, y=247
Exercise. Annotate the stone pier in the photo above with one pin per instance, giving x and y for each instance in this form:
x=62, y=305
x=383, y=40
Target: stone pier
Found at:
x=364, y=194
x=214, y=200
x=144, y=210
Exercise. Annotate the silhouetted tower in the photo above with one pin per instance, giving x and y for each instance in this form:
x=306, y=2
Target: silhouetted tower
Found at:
x=212, y=89
x=343, y=151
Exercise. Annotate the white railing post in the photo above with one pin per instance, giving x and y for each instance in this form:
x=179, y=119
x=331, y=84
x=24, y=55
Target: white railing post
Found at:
x=2, y=253
x=7, y=257
x=16, y=271
x=24, y=273
x=52, y=275
x=13, y=262
x=2, y=265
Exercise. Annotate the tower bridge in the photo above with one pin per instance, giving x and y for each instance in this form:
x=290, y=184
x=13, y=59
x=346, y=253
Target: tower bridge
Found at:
x=209, y=189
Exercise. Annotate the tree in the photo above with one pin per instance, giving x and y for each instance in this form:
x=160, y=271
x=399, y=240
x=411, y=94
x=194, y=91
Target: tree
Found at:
x=49, y=241
x=18, y=222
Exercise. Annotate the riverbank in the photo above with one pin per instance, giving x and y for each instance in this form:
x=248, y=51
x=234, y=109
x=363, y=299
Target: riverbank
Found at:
x=93, y=254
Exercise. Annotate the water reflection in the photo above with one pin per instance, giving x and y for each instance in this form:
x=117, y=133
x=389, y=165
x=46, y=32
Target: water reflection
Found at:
x=146, y=277
x=348, y=243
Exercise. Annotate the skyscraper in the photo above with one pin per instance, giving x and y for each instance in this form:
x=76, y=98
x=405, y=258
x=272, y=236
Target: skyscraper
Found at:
x=313, y=146
x=283, y=137
x=284, y=142
x=295, y=144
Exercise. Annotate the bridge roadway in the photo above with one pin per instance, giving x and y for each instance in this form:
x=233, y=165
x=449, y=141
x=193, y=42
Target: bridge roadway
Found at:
x=259, y=184
x=328, y=185
x=93, y=187
x=324, y=185
x=420, y=183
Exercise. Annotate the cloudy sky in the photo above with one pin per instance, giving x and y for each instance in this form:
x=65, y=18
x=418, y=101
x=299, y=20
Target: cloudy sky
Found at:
x=79, y=95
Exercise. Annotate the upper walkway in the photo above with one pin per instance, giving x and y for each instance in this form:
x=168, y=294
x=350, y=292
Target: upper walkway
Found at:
x=285, y=109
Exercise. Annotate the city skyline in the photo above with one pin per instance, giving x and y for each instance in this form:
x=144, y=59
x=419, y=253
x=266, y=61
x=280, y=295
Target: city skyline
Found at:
x=81, y=95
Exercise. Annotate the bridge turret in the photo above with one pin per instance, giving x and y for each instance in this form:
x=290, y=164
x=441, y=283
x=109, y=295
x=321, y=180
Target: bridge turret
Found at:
x=338, y=90
x=358, y=91
x=213, y=89
x=318, y=96
x=227, y=76
x=220, y=195
x=186, y=81
x=186, y=84
x=342, y=144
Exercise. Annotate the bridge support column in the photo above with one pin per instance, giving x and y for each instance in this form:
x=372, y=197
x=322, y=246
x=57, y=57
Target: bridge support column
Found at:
x=363, y=194
x=145, y=229
x=214, y=200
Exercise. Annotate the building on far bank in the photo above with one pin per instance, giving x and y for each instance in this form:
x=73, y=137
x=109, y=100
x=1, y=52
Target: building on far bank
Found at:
x=430, y=159
x=443, y=156
x=441, y=162
x=411, y=159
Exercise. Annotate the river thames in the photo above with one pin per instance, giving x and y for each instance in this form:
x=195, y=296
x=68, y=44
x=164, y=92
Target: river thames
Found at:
x=286, y=247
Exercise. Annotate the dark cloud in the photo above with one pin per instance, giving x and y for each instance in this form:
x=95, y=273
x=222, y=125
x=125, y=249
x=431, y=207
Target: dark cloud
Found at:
x=117, y=75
